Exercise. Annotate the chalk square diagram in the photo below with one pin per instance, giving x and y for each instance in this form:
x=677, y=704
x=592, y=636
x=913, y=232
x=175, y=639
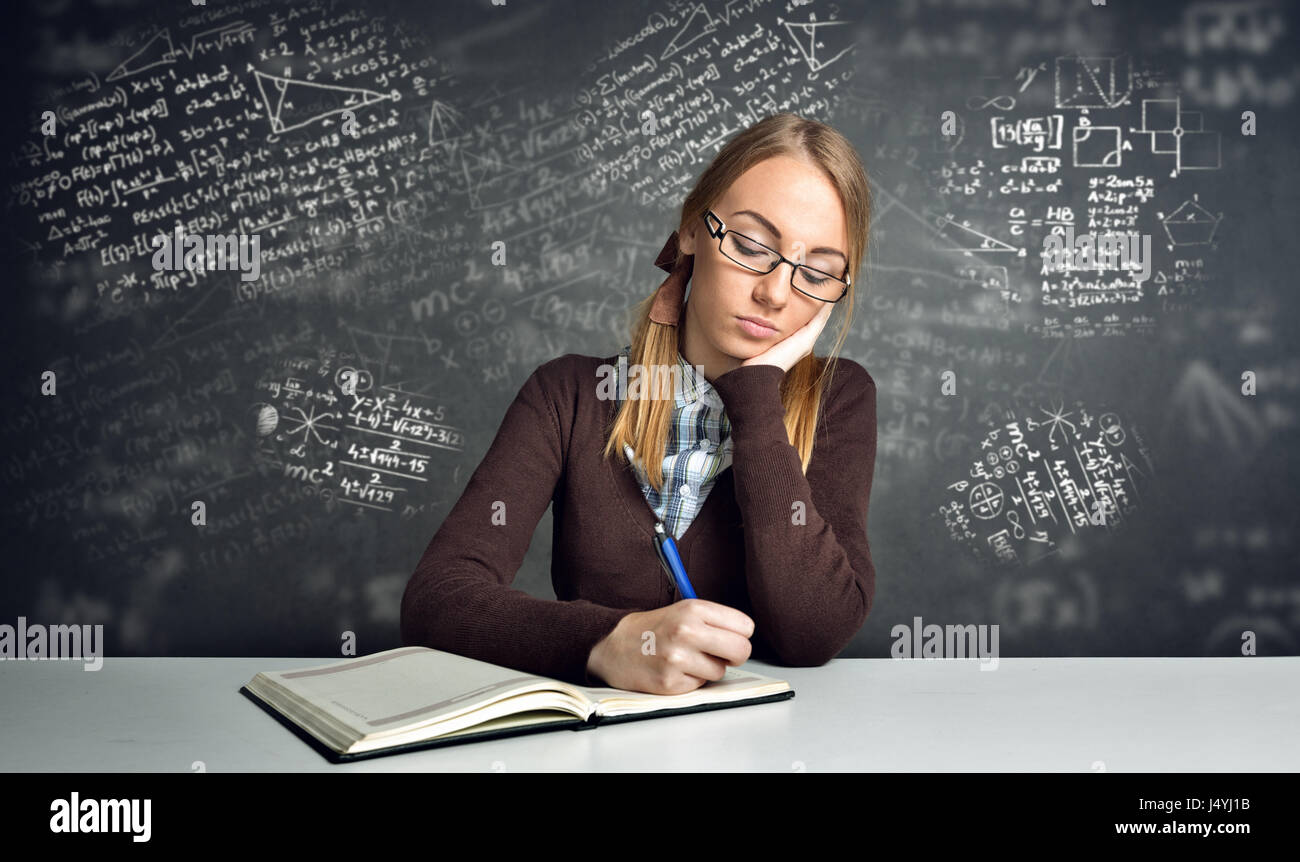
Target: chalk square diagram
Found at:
x=1199, y=151
x=1160, y=117
x=1097, y=146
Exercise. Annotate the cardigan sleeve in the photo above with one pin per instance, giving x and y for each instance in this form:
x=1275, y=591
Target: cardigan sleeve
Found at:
x=808, y=565
x=459, y=598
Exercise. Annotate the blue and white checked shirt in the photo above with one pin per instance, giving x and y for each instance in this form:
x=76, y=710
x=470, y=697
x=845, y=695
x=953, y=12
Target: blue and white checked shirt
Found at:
x=698, y=449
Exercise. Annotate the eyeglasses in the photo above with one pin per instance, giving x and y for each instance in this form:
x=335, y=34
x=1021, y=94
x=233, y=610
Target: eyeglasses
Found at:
x=753, y=255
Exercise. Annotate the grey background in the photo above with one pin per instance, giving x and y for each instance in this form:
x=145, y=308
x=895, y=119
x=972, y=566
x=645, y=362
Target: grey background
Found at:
x=522, y=124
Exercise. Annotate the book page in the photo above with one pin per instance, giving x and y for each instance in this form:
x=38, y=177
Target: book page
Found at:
x=398, y=689
x=737, y=684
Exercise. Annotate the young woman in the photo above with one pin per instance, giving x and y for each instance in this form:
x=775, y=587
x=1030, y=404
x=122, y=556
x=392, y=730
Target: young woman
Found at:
x=758, y=461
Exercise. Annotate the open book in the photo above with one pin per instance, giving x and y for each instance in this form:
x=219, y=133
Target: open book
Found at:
x=415, y=697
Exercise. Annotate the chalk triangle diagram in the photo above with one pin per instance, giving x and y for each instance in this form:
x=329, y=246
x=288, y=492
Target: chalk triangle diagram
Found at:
x=1064, y=362
x=1131, y=469
x=443, y=119
x=1213, y=412
x=157, y=51
x=954, y=236
x=699, y=30
x=811, y=35
x=905, y=243
x=480, y=171
x=292, y=104
x=1092, y=82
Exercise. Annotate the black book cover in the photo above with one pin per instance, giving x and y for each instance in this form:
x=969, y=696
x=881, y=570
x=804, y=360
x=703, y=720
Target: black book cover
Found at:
x=575, y=723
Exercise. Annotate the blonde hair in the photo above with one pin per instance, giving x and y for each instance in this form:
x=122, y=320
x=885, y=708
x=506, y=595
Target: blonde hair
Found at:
x=643, y=423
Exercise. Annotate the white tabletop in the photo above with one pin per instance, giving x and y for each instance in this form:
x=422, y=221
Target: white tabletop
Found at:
x=1030, y=714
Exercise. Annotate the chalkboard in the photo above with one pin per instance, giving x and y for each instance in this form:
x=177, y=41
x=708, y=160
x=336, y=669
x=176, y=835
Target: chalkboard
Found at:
x=1098, y=459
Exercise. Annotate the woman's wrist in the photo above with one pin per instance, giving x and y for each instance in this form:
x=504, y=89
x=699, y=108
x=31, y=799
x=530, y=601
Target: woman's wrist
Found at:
x=593, y=663
x=597, y=657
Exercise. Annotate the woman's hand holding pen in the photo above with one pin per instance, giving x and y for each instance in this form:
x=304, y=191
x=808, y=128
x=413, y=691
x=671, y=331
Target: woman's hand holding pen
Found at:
x=694, y=640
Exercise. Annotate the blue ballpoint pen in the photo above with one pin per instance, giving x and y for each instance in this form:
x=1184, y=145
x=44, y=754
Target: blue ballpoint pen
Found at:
x=672, y=561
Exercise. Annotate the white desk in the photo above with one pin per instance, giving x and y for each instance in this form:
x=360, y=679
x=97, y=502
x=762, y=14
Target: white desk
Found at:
x=1052, y=714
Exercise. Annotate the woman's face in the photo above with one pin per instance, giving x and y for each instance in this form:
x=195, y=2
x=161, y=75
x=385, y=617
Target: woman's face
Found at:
x=788, y=205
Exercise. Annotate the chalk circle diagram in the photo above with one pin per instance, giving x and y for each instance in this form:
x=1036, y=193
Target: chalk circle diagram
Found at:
x=292, y=104
x=1044, y=475
x=302, y=412
x=264, y=418
x=352, y=380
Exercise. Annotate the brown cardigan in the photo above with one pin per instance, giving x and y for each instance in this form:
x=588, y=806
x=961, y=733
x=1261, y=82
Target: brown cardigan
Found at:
x=803, y=573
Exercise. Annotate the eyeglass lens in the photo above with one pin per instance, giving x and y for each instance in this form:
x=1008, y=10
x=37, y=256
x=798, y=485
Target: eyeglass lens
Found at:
x=748, y=253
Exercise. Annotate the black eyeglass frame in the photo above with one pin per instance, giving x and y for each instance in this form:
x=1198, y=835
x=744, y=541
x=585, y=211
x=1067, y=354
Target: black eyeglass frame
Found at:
x=722, y=230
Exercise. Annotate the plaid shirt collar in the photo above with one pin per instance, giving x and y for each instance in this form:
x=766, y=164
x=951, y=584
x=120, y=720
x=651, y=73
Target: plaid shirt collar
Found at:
x=695, y=386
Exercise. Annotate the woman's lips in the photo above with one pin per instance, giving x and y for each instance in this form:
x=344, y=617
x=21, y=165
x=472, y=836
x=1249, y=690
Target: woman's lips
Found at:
x=757, y=330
